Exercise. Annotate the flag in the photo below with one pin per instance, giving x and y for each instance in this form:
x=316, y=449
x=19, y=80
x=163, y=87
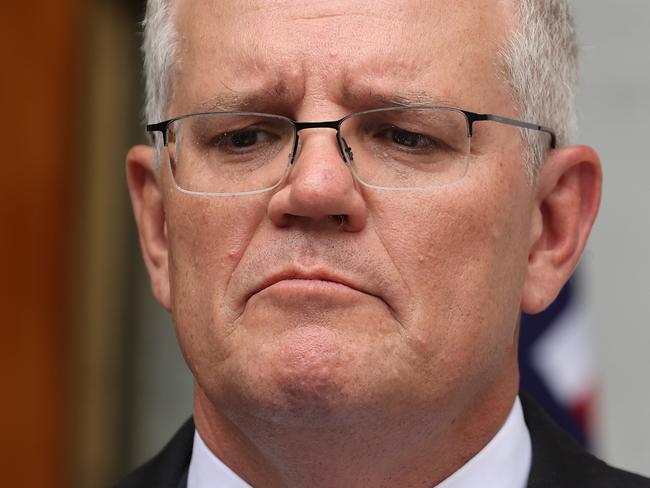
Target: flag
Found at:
x=556, y=362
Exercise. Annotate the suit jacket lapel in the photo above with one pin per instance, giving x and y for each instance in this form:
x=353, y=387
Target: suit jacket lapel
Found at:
x=169, y=468
x=556, y=456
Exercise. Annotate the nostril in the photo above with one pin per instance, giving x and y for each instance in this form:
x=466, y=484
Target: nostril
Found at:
x=339, y=219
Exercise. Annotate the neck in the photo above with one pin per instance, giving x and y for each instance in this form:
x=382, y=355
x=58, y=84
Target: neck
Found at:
x=370, y=450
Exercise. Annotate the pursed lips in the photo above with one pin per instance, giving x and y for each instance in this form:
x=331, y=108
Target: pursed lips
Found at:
x=316, y=276
x=328, y=277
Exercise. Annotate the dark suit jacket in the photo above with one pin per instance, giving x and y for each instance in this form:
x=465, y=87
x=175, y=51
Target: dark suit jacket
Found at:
x=558, y=461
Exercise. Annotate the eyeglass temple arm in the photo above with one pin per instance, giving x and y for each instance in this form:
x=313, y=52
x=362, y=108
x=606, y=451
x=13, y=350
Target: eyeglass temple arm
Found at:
x=473, y=117
x=159, y=127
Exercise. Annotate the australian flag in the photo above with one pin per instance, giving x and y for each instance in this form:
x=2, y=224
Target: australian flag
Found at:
x=556, y=362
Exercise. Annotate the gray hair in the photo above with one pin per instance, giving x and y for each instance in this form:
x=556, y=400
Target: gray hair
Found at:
x=159, y=49
x=539, y=63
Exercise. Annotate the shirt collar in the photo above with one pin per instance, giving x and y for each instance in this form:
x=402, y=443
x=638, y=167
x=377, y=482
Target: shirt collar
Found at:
x=504, y=462
x=207, y=470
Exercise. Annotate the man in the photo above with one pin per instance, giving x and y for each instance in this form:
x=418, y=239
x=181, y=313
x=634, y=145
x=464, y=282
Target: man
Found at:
x=346, y=209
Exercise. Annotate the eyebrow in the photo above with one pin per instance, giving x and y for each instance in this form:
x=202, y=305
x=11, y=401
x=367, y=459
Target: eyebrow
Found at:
x=369, y=98
x=228, y=102
x=244, y=101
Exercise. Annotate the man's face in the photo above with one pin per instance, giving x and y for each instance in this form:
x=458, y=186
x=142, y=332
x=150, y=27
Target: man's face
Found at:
x=411, y=302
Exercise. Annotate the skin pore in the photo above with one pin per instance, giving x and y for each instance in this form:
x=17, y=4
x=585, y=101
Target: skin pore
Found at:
x=392, y=360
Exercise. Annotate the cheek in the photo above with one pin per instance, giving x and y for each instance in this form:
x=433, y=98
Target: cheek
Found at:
x=207, y=237
x=463, y=254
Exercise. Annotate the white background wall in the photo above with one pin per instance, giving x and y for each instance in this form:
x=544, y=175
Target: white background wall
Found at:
x=614, y=109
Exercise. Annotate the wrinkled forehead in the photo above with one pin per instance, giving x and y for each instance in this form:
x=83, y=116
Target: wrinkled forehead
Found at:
x=254, y=54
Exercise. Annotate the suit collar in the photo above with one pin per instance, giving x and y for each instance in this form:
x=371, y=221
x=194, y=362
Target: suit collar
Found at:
x=169, y=468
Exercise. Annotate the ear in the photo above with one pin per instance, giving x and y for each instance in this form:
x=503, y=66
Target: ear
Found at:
x=148, y=208
x=568, y=193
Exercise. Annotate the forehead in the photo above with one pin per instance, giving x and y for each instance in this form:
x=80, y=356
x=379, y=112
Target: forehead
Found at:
x=247, y=54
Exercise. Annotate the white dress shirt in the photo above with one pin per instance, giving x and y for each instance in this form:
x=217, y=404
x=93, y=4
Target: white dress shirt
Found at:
x=504, y=462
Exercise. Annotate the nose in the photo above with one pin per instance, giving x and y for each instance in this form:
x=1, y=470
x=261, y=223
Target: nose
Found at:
x=320, y=188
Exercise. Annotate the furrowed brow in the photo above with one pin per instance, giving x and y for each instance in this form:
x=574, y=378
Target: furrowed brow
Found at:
x=228, y=102
x=244, y=101
x=369, y=98
x=416, y=98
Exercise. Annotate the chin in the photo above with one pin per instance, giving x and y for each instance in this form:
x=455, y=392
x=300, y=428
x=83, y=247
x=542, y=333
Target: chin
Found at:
x=301, y=375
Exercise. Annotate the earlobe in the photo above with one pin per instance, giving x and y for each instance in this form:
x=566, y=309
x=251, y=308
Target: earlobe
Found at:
x=148, y=209
x=568, y=193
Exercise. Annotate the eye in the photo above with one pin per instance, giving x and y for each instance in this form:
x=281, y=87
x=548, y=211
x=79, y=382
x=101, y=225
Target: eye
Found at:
x=406, y=139
x=243, y=139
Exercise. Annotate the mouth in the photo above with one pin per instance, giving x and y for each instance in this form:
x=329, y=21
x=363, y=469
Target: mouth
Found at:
x=312, y=281
x=319, y=285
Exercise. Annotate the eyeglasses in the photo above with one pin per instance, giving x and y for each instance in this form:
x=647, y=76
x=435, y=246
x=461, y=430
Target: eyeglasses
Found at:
x=398, y=148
